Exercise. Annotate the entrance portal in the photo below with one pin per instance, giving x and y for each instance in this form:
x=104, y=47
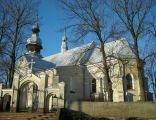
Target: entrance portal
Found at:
x=28, y=99
x=52, y=102
x=6, y=102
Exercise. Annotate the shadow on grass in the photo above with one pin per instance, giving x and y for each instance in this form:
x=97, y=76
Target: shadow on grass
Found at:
x=66, y=114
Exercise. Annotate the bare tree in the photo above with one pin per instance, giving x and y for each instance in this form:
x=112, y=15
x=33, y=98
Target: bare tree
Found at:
x=90, y=17
x=21, y=15
x=133, y=15
x=4, y=43
x=150, y=72
x=152, y=24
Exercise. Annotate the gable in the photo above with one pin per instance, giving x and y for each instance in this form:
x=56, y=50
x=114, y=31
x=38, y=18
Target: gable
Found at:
x=117, y=49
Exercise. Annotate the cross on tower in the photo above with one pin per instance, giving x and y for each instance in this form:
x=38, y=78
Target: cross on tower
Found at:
x=37, y=18
x=31, y=64
x=65, y=31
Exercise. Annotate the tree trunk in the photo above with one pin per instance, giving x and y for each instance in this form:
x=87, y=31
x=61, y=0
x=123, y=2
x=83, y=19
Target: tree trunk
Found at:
x=140, y=71
x=13, y=58
x=106, y=75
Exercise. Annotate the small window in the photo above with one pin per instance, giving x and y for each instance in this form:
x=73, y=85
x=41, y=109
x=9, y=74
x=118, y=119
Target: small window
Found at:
x=72, y=85
x=94, y=86
x=129, y=81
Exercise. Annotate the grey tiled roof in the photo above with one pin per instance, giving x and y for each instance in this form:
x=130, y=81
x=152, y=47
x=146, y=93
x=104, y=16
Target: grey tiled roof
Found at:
x=117, y=49
x=86, y=54
x=74, y=56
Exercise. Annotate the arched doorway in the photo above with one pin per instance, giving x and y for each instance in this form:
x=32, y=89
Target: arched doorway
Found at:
x=52, y=102
x=6, y=102
x=28, y=97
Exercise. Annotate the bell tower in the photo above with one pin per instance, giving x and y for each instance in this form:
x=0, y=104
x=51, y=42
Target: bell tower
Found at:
x=34, y=43
x=64, y=46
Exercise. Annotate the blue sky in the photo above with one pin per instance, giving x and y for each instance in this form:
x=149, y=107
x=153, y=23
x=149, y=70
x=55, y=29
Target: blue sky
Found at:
x=51, y=21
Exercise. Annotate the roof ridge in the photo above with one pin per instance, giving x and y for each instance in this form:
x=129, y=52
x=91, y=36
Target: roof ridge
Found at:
x=83, y=59
x=68, y=50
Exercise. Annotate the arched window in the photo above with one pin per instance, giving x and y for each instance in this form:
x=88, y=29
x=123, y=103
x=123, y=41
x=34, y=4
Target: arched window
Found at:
x=94, y=86
x=35, y=88
x=129, y=81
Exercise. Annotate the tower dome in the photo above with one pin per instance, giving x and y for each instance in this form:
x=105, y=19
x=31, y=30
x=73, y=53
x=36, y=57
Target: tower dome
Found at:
x=34, y=43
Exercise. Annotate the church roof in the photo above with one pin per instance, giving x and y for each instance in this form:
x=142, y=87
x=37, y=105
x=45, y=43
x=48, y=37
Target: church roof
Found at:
x=38, y=63
x=117, y=49
x=90, y=53
x=73, y=56
x=85, y=54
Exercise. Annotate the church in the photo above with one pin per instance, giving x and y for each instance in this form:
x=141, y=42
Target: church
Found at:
x=43, y=84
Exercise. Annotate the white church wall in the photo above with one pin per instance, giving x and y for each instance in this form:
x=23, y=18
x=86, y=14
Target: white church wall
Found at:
x=77, y=82
x=116, y=74
x=73, y=78
x=50, y=78
x=41, y=91
x=16, y=80
x=132, y=70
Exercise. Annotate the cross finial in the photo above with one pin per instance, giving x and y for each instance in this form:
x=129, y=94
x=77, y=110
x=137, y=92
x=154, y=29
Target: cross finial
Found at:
x=31, y=64
x=37, y=18
x=65, y=31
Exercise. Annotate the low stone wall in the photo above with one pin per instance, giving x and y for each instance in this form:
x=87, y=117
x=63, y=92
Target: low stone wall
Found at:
x=124, y=110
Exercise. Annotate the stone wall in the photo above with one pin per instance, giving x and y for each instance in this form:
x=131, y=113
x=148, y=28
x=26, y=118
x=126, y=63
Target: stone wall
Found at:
x=123, y=110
